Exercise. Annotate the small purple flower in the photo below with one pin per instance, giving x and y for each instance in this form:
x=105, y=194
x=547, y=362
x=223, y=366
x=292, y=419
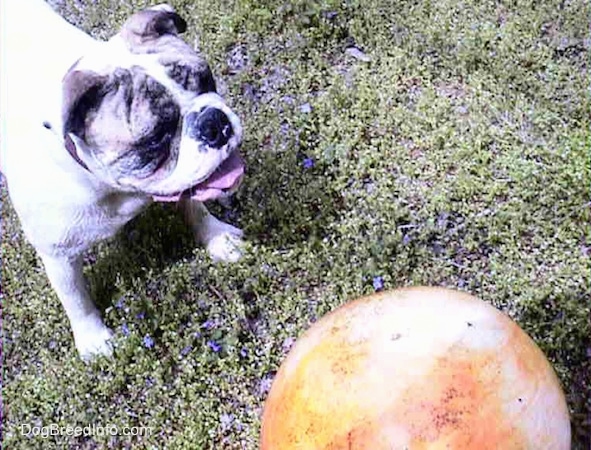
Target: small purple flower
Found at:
x=306, y=108
x=378, y=283
x=120, y=303
x=185, y=351
x=148, y=341
x=125, y=329
x=244, y=353
x=214, y=346
x=265, y=385
x=208, y=324
x=141, y=315
x=308, y=163
x=226, y=420
x=288, y=99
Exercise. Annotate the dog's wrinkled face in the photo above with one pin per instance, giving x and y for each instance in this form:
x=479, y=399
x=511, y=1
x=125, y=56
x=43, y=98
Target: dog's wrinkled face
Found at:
x=143, y=114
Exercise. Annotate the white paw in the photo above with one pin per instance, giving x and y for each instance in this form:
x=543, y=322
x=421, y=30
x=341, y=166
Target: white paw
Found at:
x=226, y=246
x=93, y=339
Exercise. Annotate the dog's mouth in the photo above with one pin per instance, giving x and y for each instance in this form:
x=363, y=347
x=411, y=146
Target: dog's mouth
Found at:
x=224, y=179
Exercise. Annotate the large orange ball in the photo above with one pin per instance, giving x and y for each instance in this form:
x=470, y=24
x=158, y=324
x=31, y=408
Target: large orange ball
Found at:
x=417, y=368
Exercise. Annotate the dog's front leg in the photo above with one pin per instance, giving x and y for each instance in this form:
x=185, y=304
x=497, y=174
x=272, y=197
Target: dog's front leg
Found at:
x=222, y=240
x=90, y=333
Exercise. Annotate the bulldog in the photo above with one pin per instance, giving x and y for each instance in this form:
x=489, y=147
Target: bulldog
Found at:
x=95, y=131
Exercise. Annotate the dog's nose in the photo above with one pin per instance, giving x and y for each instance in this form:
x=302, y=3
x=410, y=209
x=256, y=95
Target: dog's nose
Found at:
x=211, y=126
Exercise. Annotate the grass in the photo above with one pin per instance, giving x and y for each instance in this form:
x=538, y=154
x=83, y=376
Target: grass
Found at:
x=453, y=150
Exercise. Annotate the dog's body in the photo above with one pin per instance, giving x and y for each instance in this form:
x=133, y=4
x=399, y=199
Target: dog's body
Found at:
x=94, y=131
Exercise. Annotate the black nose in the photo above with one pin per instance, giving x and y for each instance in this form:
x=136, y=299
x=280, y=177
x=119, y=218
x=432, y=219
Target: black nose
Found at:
x=211, y=126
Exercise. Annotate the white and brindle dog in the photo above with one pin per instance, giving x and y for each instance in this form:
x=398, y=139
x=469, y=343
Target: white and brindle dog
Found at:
x=94, y=131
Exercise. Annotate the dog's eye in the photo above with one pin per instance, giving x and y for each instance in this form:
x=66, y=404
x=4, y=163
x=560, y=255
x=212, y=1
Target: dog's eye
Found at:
x=157, y=142
x=153, y=151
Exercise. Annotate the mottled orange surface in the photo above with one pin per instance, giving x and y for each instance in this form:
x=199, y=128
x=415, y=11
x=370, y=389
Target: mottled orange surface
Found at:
x=354, y=382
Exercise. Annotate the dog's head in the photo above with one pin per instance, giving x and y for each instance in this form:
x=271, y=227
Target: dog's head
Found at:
x=141, y=112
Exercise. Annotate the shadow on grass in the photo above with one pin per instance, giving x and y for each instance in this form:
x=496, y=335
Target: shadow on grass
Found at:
x=288, y=199
x=152, y=241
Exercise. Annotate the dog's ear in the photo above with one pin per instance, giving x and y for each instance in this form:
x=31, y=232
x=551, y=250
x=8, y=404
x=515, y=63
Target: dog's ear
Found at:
x=152, y=23
x=82, y=92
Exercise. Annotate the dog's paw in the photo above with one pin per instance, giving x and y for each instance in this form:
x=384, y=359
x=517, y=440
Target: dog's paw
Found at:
x=93, y=340
x=226, y=245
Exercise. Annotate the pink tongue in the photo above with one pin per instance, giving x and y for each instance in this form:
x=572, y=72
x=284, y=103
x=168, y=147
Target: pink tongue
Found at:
x=225, y=177
x=226, y=174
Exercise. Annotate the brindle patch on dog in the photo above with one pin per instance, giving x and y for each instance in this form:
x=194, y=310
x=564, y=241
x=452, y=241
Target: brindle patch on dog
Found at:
x=130, y=119
x=195, y=78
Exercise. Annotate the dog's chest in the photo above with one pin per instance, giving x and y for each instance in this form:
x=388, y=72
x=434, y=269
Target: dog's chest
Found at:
x=103, y=219
x=82, y=226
